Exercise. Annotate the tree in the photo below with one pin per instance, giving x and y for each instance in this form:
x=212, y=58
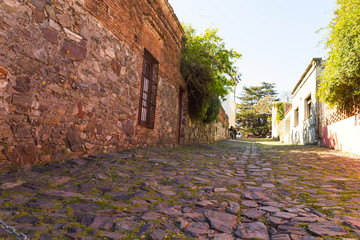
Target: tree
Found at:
x=209, y=71
x=286, y=96
x=254, y=113
x=340, y=86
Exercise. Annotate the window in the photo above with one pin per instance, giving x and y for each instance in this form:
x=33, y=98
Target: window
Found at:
x=148, y=91
x=296, y=117
x=308, y=107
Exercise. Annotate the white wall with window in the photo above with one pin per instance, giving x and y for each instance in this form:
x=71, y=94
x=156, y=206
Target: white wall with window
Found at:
x=303, y=129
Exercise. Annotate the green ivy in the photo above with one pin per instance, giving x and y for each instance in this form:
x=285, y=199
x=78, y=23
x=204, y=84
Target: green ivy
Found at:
x=280, y=111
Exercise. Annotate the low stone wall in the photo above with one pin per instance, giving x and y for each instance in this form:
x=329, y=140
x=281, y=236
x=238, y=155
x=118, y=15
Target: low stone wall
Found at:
x=198, y=131
x=206, y=133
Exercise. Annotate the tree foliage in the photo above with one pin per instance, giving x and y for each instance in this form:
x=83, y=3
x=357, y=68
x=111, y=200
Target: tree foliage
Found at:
x=254, y=110
x=341, y=78
x=209, y=71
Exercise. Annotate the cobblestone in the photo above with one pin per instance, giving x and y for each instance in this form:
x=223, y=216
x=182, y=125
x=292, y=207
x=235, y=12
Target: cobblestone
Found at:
x=227, y=190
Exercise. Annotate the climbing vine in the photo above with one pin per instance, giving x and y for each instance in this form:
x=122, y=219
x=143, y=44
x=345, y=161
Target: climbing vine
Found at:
x=280, y=111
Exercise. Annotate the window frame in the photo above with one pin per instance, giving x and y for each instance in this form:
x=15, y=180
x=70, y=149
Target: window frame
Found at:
x=296, y=117
x=148, y=91
x=308, y=105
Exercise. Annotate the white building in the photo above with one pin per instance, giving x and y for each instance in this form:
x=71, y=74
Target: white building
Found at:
x=274, y=124
x=229, y=106
x=302, y=125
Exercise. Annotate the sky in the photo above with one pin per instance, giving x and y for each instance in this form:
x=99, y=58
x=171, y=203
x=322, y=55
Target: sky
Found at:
x=277, y=38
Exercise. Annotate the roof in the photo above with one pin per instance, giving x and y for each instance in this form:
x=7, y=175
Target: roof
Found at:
x=313, y=62
x=288, y=109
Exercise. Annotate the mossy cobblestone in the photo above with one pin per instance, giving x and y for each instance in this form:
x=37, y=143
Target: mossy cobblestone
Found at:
x=228, y=190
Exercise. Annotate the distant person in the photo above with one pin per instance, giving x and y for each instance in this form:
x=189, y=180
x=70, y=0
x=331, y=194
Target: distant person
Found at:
x=231, y=132
x=234, y=133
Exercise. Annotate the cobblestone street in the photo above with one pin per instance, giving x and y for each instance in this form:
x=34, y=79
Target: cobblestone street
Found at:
x=227, y=190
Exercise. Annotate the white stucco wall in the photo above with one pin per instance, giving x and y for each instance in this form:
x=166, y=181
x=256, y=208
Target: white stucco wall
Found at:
x=305, y=131
x=343, y=135
x=229, y=106
x=274, y=124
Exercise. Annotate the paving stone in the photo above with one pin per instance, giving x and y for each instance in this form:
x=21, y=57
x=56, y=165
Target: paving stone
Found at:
x=275, y=220
x=113, y=235
x=304, y=219
x=284, y=215
x=197, y=229
x=280, y=237
x=326, y=228
x=87, y=219
x=223, y=236
x=293, y=210
x=126, y=226
x=220, y=190
x=308, y=238
x=273, y=204
x=248, y=203
x=251, y=230
x=292, y=230
x=151, y=216
x=10, y=185
x=252, y=213
x=357, y=232
x=270, y=209
x=41, y=203
x=72, y=232
x=223, y=222
x=158, y=234
x=182, y=223
x=44, y=236
x=171, y=212
x=85, y=207
x=27, y=219
x=233, y=208
x=353, y=223
x=230, y=195
x=206, y=203
x=254, y=189
x=254, y=196
x=268, y=185
x=58, y=180
x=140, y=209
x=61, y=194
x=146, y=228
x=123, y=197
x=234, y=182
x=295, y=237
x=195, y=216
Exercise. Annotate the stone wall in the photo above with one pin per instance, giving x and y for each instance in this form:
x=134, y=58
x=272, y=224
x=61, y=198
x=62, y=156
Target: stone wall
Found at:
x=198, y=131
x=70, y=79
x=70, y=76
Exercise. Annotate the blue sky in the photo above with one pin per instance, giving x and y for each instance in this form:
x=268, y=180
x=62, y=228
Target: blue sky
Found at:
x=277, y=38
